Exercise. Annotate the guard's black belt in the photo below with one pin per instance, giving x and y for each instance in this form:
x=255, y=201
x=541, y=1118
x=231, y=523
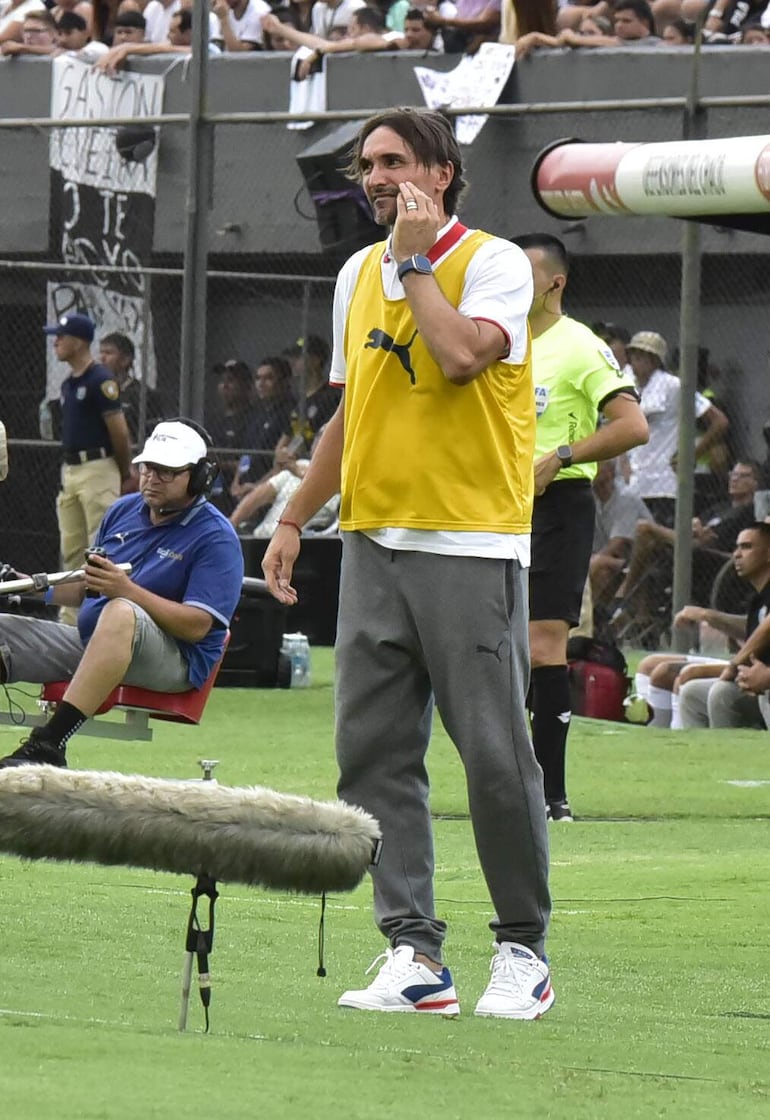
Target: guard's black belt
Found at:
x=73, y=458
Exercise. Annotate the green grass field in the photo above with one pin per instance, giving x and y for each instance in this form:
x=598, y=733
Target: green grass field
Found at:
x=659, y=949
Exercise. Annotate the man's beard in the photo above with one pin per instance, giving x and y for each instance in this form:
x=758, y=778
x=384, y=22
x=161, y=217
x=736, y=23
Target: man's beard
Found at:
x=382, y=215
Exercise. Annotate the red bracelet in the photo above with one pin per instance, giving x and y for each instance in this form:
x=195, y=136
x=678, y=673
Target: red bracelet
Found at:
x=294, y=525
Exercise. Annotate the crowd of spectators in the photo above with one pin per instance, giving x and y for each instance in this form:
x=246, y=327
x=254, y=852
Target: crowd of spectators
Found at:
x=723, y=682
x=269, y=416
x=107, y=32
x=635, y=497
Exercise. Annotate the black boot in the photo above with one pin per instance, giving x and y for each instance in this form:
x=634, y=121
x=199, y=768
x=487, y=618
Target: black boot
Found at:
x=35, y=751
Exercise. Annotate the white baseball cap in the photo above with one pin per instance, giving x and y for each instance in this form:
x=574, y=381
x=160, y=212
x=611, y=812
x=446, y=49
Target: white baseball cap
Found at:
x=173, y=444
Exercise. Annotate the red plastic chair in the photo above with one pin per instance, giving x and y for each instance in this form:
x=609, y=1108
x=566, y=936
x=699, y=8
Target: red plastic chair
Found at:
x=140, y=705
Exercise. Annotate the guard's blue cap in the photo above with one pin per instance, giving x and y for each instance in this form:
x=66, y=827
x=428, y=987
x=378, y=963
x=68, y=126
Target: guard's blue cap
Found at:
x=79, y=326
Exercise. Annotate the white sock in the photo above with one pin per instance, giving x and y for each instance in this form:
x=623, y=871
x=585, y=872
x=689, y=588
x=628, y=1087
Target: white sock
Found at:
x=642, y=685
x=659, y=700
x=676, y=719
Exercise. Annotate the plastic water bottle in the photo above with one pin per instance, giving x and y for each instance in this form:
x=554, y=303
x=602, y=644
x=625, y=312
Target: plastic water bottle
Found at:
x=45, y=419
x=297, y=648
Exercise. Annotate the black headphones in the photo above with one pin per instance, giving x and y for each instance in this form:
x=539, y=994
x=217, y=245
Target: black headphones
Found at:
x=204, y=473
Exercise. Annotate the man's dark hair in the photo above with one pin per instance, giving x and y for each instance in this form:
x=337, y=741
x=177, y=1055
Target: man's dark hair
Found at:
x=313, y=345
x=430, y=136
x=131, y=19
x=685, y=28
x=71, y=21
x=236, y=368
x=279, y=365
x=371, y=19
x=415, y=15
x=185, y=20
x=763, y=528
x=554, y=249
x=121, y=342
x=608, y=331
x=754, y=467
x=641, y=10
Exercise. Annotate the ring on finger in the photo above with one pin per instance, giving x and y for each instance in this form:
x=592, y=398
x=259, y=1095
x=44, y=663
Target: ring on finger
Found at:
x=411, y=204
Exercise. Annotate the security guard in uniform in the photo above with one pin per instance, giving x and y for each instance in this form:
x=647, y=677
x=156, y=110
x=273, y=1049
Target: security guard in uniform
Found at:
x=96, y=447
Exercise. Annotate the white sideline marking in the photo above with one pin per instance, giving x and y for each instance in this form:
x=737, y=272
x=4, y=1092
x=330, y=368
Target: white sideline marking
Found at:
x=747, y=783
x=60, y=1018
x=226, y=1034
x=309, y=901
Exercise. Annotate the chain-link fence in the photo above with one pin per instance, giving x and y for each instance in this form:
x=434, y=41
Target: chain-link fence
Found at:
x=254, y=319
x=262, y=308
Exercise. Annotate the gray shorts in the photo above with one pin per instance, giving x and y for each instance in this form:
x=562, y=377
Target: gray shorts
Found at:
x=38, y=651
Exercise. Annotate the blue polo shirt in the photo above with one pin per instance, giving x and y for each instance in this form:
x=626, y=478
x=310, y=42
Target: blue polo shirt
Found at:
x=193, y=558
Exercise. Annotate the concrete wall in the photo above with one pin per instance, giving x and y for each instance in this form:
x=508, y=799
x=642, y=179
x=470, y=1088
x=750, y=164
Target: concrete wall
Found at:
x=257, y=179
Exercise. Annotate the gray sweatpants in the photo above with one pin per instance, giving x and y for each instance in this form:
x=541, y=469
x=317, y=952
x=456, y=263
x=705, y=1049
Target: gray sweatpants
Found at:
x=715, y=703
x=412, y=625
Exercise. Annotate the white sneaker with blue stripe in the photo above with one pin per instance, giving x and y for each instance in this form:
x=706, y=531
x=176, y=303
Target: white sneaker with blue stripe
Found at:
x=520, y=987
x=404, y=984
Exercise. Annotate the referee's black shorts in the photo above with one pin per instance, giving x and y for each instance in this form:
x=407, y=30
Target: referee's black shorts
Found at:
x=562, y=538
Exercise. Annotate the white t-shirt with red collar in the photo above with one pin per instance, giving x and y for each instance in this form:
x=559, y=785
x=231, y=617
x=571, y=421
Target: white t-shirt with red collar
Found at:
x=498, y=289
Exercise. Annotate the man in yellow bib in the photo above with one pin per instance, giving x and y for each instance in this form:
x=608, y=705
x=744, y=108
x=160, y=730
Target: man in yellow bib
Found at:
x=577, y=381
x=432, y=451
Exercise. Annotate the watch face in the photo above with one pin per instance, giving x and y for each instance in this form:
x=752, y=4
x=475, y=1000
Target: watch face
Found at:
x=422, y=264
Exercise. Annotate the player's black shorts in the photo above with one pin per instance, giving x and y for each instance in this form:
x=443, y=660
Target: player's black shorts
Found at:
x=562, y=538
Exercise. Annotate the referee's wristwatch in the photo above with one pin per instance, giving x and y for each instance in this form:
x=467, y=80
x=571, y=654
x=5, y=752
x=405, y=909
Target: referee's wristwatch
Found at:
x=417, y=263
x=564, y=455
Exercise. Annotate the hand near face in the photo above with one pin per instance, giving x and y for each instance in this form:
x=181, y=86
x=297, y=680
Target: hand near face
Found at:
x=417, y=222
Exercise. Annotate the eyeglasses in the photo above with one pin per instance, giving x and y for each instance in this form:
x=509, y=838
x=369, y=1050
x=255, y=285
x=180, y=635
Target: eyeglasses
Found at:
x=163, y=474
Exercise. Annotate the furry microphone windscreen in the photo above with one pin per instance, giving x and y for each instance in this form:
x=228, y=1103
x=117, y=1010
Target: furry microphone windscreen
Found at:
x=252, y=835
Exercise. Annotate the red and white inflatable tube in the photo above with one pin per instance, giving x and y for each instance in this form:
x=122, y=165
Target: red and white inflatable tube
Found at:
x=680, y=178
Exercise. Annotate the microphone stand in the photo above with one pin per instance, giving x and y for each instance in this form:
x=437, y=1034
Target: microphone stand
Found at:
x=199, y=942
x=43, y=580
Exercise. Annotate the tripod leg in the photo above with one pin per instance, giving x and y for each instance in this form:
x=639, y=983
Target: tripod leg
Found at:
x=186, y=982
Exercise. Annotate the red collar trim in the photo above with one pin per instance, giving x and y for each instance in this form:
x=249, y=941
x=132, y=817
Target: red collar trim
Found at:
x=443, y=245
x=447, y=242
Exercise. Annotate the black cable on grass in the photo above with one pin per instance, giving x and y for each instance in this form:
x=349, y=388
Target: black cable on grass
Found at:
x=20, y=716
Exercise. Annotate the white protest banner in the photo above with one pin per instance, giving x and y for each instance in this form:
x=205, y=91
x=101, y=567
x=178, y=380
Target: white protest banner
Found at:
x=476, y=80
x=102, y=205
x=307, y=95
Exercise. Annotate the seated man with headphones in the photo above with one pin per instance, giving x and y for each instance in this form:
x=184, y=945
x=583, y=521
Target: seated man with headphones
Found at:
x=161, y=627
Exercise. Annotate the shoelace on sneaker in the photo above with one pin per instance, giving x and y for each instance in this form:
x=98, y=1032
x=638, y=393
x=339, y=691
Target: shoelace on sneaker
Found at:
x=506, y=968
x=396, y=966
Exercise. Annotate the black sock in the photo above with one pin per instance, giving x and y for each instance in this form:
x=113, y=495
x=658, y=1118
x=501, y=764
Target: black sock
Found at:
x=550, y=706
x=63, y=723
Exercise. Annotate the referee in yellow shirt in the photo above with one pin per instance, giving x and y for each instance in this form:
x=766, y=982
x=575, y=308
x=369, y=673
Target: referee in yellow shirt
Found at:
x=577, y=381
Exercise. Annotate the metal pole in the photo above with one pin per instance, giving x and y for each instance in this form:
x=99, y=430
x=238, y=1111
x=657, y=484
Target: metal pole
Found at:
x=304, y=377
x=192, y=351
x=689, y=329
x=145, y=359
